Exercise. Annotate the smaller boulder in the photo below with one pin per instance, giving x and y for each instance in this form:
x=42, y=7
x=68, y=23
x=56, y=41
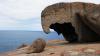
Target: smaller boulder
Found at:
x=37, y=46
x=22, y=46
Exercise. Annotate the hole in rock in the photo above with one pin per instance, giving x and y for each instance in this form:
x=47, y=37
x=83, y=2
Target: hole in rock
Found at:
x=66, y=29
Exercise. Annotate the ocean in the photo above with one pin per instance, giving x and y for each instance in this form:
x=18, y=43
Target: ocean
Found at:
x=11, y=39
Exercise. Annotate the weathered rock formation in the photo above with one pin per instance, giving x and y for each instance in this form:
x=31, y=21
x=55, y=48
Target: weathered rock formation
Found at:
x=76, y=21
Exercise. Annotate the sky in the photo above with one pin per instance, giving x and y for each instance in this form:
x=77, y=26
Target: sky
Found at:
x=26, y=14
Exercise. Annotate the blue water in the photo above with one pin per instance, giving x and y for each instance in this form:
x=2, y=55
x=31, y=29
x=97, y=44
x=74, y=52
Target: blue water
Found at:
x=10, y=40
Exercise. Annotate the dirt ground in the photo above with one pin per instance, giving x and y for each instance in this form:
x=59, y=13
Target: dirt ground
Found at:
x=63, y=48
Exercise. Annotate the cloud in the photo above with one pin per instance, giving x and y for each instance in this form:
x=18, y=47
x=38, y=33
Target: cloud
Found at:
x=7, y=24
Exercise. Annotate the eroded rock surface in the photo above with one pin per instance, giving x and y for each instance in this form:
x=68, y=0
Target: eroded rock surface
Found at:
x=63, y=48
